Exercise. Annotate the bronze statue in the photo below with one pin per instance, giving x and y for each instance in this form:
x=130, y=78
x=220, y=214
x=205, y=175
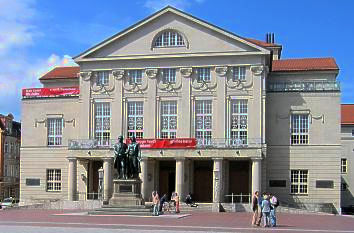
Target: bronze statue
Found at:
x=134, y=157
x=120, y=158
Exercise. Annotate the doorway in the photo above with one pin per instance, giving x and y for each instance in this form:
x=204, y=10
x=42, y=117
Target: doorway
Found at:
x=167, y=178
x=93, y=186
x=239, y=177
x=203, y=181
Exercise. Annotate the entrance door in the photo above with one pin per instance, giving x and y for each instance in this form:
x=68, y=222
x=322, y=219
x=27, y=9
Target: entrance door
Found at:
x=167, y=178
x=93, y=185
x=239, y=177
x=203, y=181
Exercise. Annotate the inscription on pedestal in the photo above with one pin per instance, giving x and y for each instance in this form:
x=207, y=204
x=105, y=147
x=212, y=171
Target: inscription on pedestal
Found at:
x=125, y=188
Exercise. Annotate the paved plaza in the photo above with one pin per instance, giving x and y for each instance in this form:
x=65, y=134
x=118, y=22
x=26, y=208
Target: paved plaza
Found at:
x=38, y=221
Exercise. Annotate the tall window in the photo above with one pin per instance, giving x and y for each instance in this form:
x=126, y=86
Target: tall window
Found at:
x=169, y=75
x=299, y=182
x=7, y=150
x=239, y=116
x=103, y=123
x=203, y=74
x=169, y=39
x=136, y=119
x=239, y=73
x=168, y=119
x=203, y=121
x=53, y=180
x=135, y=77
x=299, y=129
x=344, y=166
x=55, y=131
x=102, y=78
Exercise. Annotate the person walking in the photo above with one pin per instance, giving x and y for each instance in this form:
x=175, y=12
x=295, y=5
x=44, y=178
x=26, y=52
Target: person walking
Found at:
x=255, y=209
x=266, y=210
x=162, y=202
x=274, y=204
x=155, y=201
x=177, y=203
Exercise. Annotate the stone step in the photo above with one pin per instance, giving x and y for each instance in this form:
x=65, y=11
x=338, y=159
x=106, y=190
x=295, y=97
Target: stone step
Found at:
x=107, y=207
x=140, y=213
x=123, y=210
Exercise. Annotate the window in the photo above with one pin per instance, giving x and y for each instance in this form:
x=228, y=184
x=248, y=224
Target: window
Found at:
x=103, y=123
x=7, y=150
x=169, y=39
x=239, y=116
x=239, y=73
x=102, y=78
x=344, y=165
x=352, y=132
x=136, y=119
x=53, y=180
x=299, y=181
x=299, y=129
x=203, y=121
x=55, y=131
x=169, y=75
x=135, y=77
x=203, y=75
x=168, y=119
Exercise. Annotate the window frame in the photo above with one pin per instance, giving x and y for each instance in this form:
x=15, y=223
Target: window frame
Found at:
x=134, y=113
x=296, y=136
x=296, y=182
x=169, y=75
x=168, y=39
x=103, y=136
x=102, y=80
x=203, y=74
x=58, y=125
x=54, y=181
x=135, y=77
x=239, y=136
x=204, y=134
x=344, y=166
x=169, y=110
x=239, y=73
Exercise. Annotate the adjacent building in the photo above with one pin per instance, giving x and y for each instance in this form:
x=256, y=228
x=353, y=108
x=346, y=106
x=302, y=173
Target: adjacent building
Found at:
x=10, y=142
x=216, y=114
x=347, y=155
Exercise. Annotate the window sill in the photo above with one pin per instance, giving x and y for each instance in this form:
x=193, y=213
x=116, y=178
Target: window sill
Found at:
x=299, y=194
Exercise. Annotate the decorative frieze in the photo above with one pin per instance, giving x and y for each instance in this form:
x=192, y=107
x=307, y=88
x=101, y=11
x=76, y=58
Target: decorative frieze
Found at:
x=151, y=73
x=118, y=74
x=86, y=76
x=186, y=72
x=221, y=70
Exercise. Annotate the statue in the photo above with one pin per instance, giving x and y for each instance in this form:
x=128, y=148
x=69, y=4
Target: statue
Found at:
x=120, y=158
x=134, y=157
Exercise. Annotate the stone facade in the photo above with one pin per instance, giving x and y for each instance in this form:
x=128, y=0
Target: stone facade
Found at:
x=248, y=120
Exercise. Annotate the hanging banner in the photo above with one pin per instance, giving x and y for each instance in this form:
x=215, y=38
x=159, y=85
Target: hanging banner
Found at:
x=175, y=143
x=50, y=92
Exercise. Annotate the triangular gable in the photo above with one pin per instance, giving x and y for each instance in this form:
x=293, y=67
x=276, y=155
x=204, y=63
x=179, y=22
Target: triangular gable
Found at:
x=179, y=13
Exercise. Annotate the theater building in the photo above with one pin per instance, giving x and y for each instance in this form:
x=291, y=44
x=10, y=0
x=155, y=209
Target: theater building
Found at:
x=215, y=113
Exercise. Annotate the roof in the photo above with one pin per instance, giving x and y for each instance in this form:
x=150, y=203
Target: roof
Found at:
x=159, y=13
x=67, y=72
x=347, y=114
x=262, y=43
x=304, y=64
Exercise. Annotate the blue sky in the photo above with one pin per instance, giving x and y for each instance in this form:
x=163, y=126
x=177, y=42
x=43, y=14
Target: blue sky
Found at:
x=36, y=35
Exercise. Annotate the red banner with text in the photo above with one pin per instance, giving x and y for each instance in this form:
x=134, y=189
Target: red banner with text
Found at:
x=175, y=143
x=50, y=92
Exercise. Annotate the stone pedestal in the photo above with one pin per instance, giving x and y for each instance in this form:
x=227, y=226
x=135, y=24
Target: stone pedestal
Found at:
x=126, y=193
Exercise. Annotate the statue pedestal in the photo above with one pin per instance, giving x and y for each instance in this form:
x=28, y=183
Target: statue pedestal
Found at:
x=126, y=193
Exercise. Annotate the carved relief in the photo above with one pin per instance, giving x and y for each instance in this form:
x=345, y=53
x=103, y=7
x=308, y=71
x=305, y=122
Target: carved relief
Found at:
x=134, y=87
x=118, y=74
x=151, y=73
x=102, y=89
x=239, y=84
x=186, y=72
x=86, y=76
x=257, y=70
x=221, y=70
x=169, y=86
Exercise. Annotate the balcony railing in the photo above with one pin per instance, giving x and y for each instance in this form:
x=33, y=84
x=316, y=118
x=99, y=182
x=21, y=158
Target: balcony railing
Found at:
x=304, y=86
x=82, y=144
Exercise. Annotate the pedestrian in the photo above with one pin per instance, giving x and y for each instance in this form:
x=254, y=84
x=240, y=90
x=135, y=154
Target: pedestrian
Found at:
x=274, y=203
x=177, y=203
x=266, y=210
x=162, y=201
x=255, y=209
x=155, y=201
x=260, y=214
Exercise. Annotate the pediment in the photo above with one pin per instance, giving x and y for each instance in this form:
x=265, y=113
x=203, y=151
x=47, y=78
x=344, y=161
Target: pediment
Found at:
x=201, y=37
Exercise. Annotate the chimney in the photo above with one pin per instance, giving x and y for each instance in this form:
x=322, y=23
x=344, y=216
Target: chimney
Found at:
x=272, y=38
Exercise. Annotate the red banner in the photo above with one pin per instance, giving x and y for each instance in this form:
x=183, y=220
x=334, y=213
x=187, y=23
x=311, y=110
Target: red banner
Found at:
x=50, y=92
x=175, y=143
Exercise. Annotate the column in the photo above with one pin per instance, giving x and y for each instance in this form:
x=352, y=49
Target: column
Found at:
x=256, y=175
x=217, y=180
x=180, y=177
x=107, y=178
x=72, y=183
x=144, y=178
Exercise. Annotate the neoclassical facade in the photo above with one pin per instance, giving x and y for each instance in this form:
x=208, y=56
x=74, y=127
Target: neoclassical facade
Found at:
x=216, y=114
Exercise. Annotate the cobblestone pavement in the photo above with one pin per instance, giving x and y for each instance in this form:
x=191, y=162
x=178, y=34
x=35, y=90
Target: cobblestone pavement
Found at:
x=38, y=221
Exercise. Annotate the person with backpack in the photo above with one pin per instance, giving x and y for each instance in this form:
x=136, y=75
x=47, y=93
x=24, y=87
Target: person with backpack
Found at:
x=255, y=209
x=274, y=204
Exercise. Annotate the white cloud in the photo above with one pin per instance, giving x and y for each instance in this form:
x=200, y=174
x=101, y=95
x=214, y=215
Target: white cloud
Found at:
x=156, y=5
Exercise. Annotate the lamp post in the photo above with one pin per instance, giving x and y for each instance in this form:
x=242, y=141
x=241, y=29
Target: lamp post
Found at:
x=100, y=183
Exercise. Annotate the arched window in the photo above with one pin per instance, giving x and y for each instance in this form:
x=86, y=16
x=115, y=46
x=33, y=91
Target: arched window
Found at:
x=169, y=39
